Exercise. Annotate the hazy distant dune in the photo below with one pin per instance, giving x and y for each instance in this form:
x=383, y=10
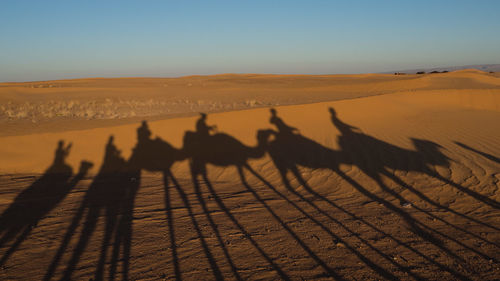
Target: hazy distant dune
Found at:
x=32, y=106
x=482, y=67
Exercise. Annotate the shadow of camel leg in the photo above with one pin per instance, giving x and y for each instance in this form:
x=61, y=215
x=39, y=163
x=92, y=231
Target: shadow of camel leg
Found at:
x=217, y=233
x=87, y=231
x=213, y=264
x=170, y=221
x=479, y=197
x=116, y=253
x=425, y=198
x=67, y=238
x=221, y=205
x=354, y=183
x=16, y=244
x=360, y=188
x=434, y=203
x=378, y=269
x=311, y=253
x=108, y=234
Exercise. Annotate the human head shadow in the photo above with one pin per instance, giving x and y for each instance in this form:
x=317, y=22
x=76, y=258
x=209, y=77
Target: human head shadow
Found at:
x=36, y=201
x=106, y=194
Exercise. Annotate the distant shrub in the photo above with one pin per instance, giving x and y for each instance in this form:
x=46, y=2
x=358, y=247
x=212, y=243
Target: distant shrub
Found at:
x=444, y=71
x=421, y=72
x=434, y=72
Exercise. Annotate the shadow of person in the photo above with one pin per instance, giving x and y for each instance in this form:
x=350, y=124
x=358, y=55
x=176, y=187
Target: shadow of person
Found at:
x=289, y=150
x=106, y=193
x=220, y=149
x=375, y=157
x=282, y=127
x=35, y=202
x=153, y=154
x=224, y=150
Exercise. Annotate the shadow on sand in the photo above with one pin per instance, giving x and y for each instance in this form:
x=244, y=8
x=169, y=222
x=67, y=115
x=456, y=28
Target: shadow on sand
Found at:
x=112, y=195
x=36, y=201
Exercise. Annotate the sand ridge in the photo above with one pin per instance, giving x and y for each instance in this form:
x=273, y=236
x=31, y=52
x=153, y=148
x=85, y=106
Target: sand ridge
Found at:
x=48, y=106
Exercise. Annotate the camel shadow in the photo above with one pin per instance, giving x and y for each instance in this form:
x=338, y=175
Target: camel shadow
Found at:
x=36, y=201
x=107, y=194
x=157, y=155
x=223, y=150
x=375, y=158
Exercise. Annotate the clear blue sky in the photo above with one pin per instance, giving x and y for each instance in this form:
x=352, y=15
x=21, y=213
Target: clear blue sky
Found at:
x=67, y=39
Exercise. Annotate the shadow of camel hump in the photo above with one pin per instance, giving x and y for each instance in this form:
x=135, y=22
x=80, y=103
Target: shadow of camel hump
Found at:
x=288, y=151
x=36, y=201
x=374, y=158
x=219, y=149
x=153, y=154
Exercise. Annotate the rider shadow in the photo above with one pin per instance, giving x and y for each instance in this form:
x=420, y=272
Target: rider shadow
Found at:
x=35, y=202
x=375, y=157
x=107, y=193
x=370, y=155
x=224, y=150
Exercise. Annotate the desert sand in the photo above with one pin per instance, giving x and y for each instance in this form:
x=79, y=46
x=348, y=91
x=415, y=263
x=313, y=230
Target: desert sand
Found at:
x=343, y=177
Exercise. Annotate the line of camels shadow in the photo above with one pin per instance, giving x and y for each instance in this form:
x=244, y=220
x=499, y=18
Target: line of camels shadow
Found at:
x=114, y=188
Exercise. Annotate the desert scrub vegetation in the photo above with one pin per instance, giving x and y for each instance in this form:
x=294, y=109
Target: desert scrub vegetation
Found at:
x=116, y=108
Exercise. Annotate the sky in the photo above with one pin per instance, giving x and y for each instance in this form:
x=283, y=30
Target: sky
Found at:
x=42, y=40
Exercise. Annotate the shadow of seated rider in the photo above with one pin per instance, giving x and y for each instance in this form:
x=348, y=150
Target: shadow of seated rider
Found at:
x=280, y=125
x=59, y=166
x=202, y=129
x=143, y=133
x=344, y=128
x=113, y=161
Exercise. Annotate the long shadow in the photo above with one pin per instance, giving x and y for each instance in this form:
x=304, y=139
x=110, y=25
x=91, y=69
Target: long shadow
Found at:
x=123, y=234
x=378, y=269
x=105, y=194
x=484, y=154
x=35, y=202
x=290, y=149
x=374, y=156
x=222, y=150
x=370, y=155
x=158, y=155
x=229, y=151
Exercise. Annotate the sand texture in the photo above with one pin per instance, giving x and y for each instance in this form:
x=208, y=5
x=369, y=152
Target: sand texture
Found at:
x=287, y=177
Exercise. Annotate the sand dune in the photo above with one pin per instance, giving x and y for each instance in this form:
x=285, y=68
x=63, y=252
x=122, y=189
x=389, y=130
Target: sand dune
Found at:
x=355, y=177
x=49, y=106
